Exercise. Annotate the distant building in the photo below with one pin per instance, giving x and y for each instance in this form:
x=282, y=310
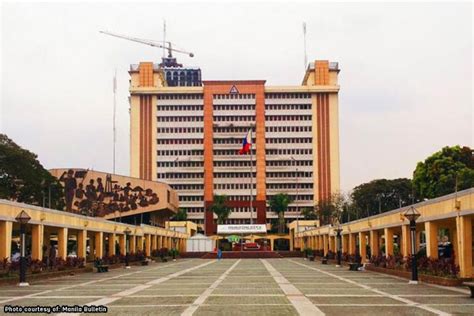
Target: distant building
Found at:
x=178, y=76
x=189, y=135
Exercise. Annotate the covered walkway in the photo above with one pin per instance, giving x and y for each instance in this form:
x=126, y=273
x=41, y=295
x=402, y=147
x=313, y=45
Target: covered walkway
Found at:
x=448, y=217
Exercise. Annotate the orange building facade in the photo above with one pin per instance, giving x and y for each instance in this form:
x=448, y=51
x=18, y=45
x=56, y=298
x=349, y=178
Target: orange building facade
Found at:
x=189, y=137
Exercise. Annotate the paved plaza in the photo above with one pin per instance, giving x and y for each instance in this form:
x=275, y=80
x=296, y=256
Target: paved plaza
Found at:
x=242, y=287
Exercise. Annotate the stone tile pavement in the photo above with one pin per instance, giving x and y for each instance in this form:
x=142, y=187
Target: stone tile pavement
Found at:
x=240, y=287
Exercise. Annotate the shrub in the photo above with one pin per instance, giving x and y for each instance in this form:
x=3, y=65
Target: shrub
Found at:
x=308, y=252
x=442, y=267
x=331, y=254
x=319, y=252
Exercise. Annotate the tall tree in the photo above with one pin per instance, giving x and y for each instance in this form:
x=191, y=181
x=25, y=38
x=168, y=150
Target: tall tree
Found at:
x=279, y=204
x=220, y=208
x=438, y=174
x=331, y=208
x=381, y=195
x=23, y=178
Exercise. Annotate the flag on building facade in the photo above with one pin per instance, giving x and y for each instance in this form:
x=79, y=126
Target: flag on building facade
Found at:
x=247, y=143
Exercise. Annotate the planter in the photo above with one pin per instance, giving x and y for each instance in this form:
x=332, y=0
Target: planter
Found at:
x=432, y=279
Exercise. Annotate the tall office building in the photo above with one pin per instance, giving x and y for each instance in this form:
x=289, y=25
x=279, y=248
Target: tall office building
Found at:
x=189, y=136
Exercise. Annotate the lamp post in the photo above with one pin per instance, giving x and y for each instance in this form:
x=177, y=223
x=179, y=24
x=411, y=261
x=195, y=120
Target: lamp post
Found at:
x=412, y=215
x=296, y=200
x=338, y=231
x=127, y=232
x=23, y=218
x=174, y=247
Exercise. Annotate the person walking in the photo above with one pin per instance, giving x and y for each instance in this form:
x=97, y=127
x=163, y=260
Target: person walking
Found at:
x=219, y=254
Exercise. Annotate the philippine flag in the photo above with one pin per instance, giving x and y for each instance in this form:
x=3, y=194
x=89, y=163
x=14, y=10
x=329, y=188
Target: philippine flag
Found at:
x=247, y=143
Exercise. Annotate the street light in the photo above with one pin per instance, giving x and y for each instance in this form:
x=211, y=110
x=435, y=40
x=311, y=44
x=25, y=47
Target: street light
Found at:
x=338, y=231
x=127, y=232
x=412, y=215
x=23, y=218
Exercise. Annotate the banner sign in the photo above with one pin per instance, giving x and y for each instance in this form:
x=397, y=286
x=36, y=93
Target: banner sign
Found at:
x=241, y=229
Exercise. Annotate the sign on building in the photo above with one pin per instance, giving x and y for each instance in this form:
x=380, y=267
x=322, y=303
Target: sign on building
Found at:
x=241, y=229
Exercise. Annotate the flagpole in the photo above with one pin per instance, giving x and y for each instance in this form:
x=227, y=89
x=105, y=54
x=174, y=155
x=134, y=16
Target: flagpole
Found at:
x=251, y=178
x=114, y=128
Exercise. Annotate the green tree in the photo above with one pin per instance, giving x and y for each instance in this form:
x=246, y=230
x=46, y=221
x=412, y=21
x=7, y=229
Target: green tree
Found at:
x=309, y=213
x=23, y=178
x=389, y=193
x=279, y=204
x=436, y=176
x=220, y=208
x=331, y=208
x=181, y=215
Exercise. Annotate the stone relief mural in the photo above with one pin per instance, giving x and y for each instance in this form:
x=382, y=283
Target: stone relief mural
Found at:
x=96, y=196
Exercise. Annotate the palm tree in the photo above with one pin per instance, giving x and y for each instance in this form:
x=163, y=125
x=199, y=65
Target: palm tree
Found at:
x=181, y=215
x=279, y=204
x=220, y=208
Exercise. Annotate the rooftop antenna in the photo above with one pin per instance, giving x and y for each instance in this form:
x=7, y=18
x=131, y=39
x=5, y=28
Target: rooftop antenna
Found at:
x=115, y=106
x=304, y=39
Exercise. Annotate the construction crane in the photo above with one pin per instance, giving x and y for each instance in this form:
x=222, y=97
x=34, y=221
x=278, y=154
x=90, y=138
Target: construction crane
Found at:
x=161, y=44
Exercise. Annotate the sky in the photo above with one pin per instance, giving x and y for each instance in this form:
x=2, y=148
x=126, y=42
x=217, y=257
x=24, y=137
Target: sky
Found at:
x=405, y=82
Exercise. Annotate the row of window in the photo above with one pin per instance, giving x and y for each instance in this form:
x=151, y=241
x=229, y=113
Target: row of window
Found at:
x=189, y=152
x=234, y=107
x=238, y=118
x=284, y=151
x=287, y=163
x=239, y=210
x=301, y=197
x=180, y=118
x=175, y=130
x=287, y=106
x=299, y=174
x=289, y=186
x=288, y=128
x=287, y=95
x=179, y=141
x=288, y=140
x=234, y=186
x=233, y=141
x=231, y=129
x=288, y=117
x=228, y=152
x=234, y=96
x=169, y=164
x=244, y=163
x=234, y=174
x=179, y=108
x=175, y=175
x=184, y=187
x=186, y=96
x=195, y=96
x=233, y=152
x=191, y=198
